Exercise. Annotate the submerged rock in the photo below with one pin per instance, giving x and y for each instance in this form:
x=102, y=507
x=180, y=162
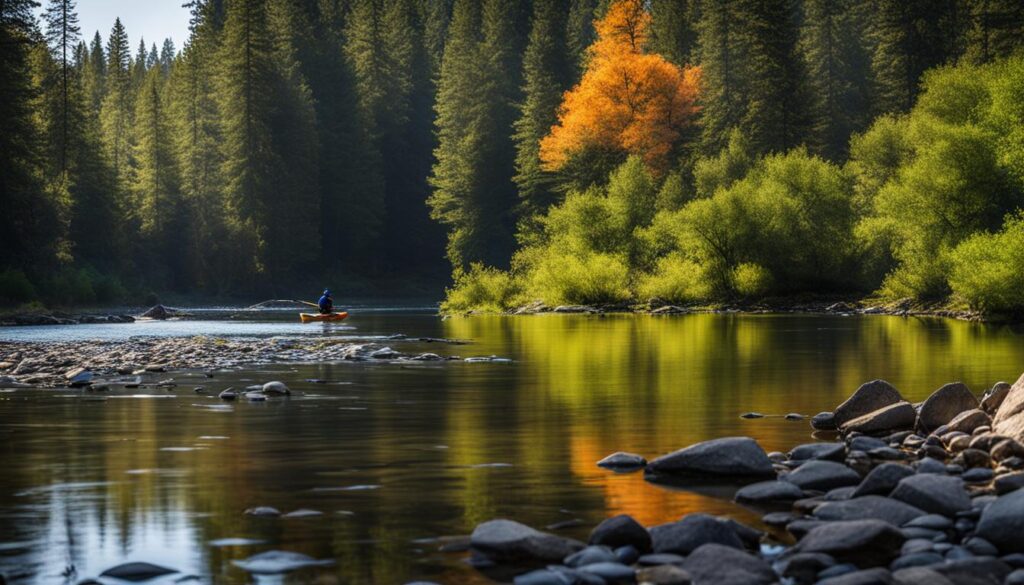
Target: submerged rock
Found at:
x=139, y=571
x=768, y=492
x=824, y=421
x=623, y=461
x=274, y=562
x=732, y=456
x=276, y=389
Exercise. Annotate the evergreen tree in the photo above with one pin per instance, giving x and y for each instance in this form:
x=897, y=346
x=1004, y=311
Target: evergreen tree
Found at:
x=580, y=31
x=910, y=36
x=548, y=71
x=138, y=65
x=435, y=17
x=117, y=105
x=839, y=75
x=167, y=54
x=153, y=58
x=156, y=184
x=995, y=29
x=94, y=75
x=723, y=63
x=673, y=29
x=26, y=218
x=62, y=35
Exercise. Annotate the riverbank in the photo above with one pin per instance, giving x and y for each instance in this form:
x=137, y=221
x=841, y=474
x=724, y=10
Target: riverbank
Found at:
x=831, y=306
x=933, y=494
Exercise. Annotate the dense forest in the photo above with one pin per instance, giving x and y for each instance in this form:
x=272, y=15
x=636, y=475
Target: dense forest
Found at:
x=571, y=151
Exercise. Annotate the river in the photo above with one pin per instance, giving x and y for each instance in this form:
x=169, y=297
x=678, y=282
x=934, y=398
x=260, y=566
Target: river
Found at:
x=397, y=455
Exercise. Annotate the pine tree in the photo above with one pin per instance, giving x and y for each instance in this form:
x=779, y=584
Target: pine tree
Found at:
x=839, y=74
x=156, y=184
x=995, y=29
x=26, y=219
x=117, y=105
x=167, y=54
x=153, y=58
x=94, y=74
x=673, y=29
x=62, y=34
x=548, y=71
x=138, y=65
x=910, y=37
x=580, y=32
x=723, y=62
x=435, y=17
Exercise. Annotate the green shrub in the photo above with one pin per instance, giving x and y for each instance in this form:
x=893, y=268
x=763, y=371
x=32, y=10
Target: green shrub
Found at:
x=560, y=278
x=483, y=288
x=987, y=270
x=751, y=280
x=676, y=279
x=15, y=288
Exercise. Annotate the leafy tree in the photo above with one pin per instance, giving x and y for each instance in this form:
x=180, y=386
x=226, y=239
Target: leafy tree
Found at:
x=628, y=101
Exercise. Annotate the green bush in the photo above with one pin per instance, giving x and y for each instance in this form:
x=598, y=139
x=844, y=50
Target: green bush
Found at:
x=751, y=280
x=594, y=278
x=483, y=288
x=76, y=287
x=987, y=270
x=15, y=288
x=676, y=279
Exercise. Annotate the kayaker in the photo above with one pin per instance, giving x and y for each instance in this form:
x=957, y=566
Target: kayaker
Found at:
x=326, y=303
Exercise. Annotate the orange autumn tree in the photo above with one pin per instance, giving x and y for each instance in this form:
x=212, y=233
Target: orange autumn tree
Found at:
x=628, y=101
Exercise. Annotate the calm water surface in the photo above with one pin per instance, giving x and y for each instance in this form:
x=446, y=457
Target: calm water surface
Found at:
x=394, y=456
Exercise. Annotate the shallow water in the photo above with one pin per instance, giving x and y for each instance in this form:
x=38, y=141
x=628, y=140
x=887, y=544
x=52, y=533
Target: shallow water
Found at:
x=394, y=456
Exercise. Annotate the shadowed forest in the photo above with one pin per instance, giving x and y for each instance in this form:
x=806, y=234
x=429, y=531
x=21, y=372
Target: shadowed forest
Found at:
x=569, y=151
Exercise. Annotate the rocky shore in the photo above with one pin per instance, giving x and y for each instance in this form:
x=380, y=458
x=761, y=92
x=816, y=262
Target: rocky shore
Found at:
x=903, y=308
x=905, y=494
x=87, y=363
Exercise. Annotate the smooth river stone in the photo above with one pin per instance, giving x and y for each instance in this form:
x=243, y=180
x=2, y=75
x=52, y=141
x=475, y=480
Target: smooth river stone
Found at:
x=730, y=456
x=869, y=397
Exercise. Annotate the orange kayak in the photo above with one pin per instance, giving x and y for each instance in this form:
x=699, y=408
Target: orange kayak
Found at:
x=311, y=317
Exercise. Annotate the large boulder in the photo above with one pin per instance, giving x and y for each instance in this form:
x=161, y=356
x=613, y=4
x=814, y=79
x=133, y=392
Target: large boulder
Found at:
x=733, y=456
x=938, y=494
x=621, y=530
x=869, y=397
x=158, y=312
x=865, y=543
x=894, y=417
x=822, y=475
x=1002, y=522
x=881, y=508
x=944, y=404
x=508, y=541
x=722, y=565
x=692, y=532
x=1009, y=418
x=883, y=479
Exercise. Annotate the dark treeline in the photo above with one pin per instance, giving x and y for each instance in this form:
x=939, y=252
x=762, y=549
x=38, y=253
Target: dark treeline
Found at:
x=295, y=142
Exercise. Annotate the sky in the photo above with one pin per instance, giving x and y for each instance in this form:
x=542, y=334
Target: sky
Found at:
x=153, y=20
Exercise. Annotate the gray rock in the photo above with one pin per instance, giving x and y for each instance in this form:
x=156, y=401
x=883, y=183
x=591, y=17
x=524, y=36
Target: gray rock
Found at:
x=978, y=475
x=614, y=572
x=804, y=567
x=158, y=312
x=692, y=532
x=1007, y=449
x=1002, y=523
x=621, y=530
x=256, y=396
x=919, y=576
x=994, y=398
x=868, y=398
x=931, y=465
x=276, y=389
x=137, y=571
x=508, y=541
x=627, y=555
x=865, y=444
x=663, y=575
x=840, y=493
x=274, y=562
x=79, y=378
x=1015, y=578
x=265, y=511
x=938, y=494
x=1009, y=482
x=767, y=492
x=976, y=571
x=864, y=543
x=920, y=559
x=900, y=415
x=722, y=565
x=661, y=559
x=945, y=404
x=869, y=507
x=931, y=522
x=622, y=460
x=882, y=479
x=838, y=570
x=824, y=421
x=735, y=456
x=544, y=577
x=968, y=420
x=826, y=451
x=822, y=475
x=228, y=394
x=876, y=576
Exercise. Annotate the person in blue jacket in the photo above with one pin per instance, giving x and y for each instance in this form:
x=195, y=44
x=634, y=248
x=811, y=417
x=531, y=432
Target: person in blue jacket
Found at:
x=326, y=303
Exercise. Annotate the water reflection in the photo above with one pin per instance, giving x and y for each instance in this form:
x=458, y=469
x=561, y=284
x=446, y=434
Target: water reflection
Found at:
x=90, y=484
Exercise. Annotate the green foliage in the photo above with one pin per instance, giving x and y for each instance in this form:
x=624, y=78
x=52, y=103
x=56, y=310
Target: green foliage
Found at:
x=721, y=171
x=482, y=289
x=676, y=279
x=751, y=280
x=987, y=269
x=15, y=288
x=587, y=278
